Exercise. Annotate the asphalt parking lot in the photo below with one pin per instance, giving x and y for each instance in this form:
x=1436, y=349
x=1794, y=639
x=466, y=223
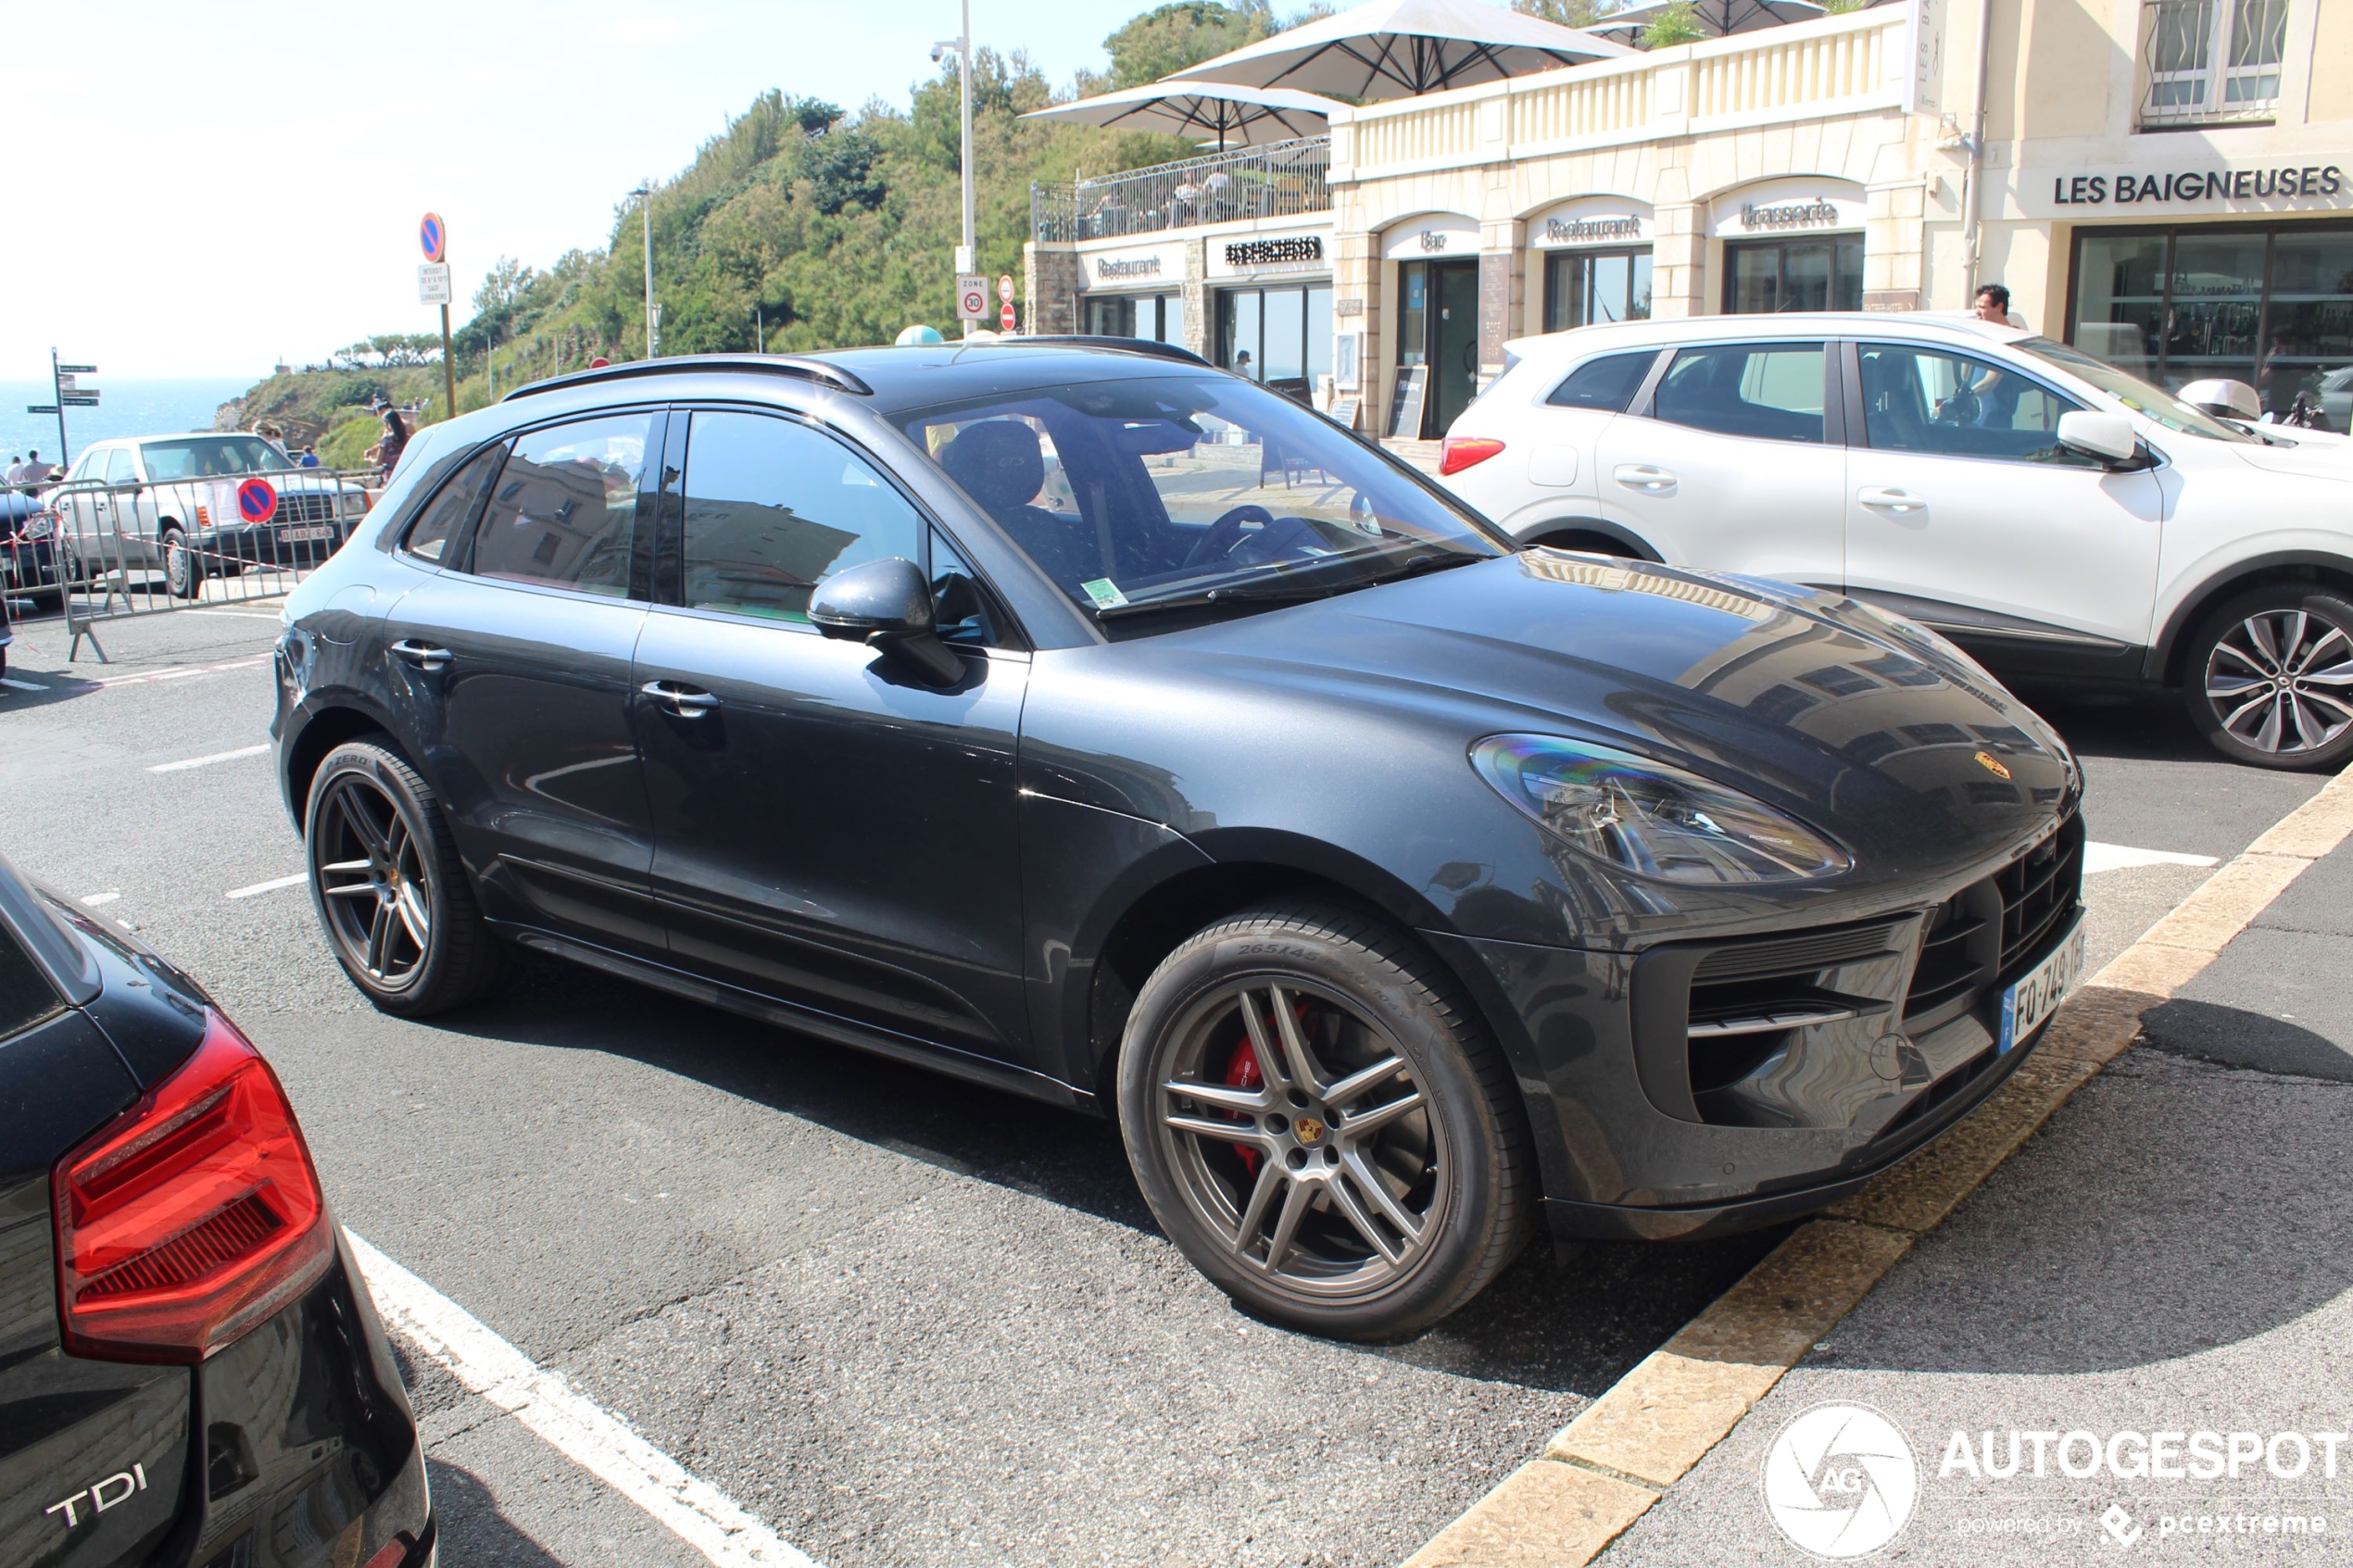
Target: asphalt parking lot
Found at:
x=901, y=1320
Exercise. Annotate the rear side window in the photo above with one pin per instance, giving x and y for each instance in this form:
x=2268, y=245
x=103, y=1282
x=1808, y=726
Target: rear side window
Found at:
x=773, y=509
x=1608, y=382
x=443, y=523
x=121, y=469
x=564, y=507
x=1765, y=391
x=26, y=996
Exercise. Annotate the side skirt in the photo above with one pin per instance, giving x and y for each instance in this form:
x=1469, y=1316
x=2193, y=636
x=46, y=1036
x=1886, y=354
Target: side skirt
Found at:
x=908, y=1048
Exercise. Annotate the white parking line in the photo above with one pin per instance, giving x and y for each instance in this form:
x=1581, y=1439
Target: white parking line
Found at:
x=15, y=684
x=697, y=1512
x=215, y=757
x=2098, y=858
x=239, y=614
x=138, y=676
x=272, y=885
x=109, y=897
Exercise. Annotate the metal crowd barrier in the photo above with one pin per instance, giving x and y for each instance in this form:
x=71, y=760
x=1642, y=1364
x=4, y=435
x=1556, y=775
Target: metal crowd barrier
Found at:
x=115, y=552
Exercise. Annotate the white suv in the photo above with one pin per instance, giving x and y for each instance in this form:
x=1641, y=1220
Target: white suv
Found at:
x=2049, y=512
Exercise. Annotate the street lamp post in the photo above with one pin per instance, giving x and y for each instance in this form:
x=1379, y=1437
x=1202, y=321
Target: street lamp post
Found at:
x=645, y=195
x=967, y=258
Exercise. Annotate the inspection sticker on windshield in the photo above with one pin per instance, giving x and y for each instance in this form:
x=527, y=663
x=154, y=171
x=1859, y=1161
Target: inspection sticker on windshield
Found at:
x=2038, y=994
x=1105, y=593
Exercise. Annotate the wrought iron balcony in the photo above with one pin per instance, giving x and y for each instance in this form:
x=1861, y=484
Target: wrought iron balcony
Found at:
x=2211, y=62
x=1279, y=180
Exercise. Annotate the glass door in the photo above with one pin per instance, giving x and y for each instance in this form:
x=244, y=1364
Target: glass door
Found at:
x=1823, y=272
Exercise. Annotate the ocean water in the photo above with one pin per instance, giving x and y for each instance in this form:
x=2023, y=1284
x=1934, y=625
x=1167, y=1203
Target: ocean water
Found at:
x=125, y=407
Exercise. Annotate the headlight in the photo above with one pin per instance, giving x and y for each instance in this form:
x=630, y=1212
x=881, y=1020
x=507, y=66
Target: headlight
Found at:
x=1652, y=819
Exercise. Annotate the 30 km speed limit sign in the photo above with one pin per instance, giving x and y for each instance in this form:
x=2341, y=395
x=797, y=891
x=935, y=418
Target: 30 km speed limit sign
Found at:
x=972, y=297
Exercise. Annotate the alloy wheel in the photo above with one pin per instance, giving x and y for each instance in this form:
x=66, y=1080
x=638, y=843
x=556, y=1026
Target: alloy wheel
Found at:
x=2281, y=681
x=1301, y=1135
x=375, y=887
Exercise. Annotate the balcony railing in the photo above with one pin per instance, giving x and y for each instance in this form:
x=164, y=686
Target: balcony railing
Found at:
x=2211, y=62
x=1281, y=180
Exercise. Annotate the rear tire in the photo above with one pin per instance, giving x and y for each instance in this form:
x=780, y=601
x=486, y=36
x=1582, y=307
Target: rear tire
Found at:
x=389, y=889
x=2269, y=677
x=1377, y=1173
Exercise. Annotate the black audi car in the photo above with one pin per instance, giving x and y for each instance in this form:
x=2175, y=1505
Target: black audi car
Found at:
x=1092, y=723
x=191, y=1374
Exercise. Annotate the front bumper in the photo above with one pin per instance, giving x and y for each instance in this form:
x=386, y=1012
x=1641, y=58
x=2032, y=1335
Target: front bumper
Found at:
x=1655, y=1116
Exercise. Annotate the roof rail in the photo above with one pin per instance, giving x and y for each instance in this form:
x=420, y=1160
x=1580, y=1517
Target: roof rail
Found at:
x=1090, y=340
x=793, y=366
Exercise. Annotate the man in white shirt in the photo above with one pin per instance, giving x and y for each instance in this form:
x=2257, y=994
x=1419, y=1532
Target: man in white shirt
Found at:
x=16, y=466
x=34, y=471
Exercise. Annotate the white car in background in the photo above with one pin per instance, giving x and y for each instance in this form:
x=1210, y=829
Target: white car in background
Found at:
x=2049, y=512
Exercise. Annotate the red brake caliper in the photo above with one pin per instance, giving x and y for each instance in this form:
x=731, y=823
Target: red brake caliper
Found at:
x=1242, y=1073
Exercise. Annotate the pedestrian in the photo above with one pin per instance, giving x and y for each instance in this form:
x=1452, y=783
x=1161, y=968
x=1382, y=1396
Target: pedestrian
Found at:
x=309, y=459
x=395, y=438
x=268, y=432
x=1994, y=304
x=34, y=471
x=15, y=466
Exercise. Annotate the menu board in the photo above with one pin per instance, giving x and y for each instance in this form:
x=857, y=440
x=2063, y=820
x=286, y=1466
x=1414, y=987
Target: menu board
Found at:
x=1405, y=401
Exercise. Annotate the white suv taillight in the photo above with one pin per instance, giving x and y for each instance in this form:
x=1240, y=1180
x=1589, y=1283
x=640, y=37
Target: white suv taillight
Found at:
x=1465, y=451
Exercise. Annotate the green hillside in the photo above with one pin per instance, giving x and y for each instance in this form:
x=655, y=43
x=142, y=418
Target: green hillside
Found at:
x=821, y=228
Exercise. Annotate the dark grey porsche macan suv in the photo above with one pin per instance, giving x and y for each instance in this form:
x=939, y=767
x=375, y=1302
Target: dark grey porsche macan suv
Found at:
x=1097, y=725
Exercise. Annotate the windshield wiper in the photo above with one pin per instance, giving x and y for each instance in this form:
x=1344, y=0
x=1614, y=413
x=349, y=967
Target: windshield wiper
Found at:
x=1262, y=593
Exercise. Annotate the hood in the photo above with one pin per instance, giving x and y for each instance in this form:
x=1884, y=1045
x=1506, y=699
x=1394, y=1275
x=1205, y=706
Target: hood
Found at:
x=2306, y=454
x=1870, y=729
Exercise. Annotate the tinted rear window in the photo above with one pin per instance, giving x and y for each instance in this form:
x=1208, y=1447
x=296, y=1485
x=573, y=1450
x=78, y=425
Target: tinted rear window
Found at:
x=1608, y=382
x=26, y=996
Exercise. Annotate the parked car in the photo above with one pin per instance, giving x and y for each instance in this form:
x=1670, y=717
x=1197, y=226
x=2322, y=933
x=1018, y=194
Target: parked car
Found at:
x=1096, y=725
x=168, y=506
x=2048, y=511
x=190, y=1365
x=28, y=545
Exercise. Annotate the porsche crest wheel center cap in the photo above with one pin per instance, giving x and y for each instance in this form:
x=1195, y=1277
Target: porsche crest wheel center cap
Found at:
x=1309, y=1130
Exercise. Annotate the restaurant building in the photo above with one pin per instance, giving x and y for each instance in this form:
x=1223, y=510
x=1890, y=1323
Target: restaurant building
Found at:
x=2167, y=184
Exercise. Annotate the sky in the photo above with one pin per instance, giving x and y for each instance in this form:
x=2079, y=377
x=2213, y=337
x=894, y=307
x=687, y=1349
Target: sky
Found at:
x=205, y=190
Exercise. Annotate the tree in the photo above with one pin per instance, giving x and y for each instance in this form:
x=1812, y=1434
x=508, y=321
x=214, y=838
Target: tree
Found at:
x=1164, y=40
x=1676, y=23
x=1565, y=13
x=503, y=285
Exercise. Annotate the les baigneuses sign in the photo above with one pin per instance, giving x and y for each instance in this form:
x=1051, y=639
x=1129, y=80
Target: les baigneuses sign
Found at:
x=2134, y=188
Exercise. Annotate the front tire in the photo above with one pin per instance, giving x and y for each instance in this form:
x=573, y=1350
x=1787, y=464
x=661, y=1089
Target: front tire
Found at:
x=1319, y=1122
x=183, y=573
x=388, y=887
x=2269, y=677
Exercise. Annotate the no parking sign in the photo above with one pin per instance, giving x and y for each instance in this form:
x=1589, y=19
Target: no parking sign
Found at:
x=257, y=500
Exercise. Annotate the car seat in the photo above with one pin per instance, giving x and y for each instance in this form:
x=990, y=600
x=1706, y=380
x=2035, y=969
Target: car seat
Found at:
x=1000, y=465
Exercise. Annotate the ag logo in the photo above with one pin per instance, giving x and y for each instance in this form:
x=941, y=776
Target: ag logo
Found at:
x=1839, y=1481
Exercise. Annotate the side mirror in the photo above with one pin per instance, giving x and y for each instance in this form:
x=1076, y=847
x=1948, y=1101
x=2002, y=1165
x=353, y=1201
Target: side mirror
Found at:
x=2108, y=438
x=886, y=604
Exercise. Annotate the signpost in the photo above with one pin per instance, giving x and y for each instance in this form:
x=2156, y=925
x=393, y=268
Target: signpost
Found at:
x=432, y=288
x=70, y=394
x=972, y=297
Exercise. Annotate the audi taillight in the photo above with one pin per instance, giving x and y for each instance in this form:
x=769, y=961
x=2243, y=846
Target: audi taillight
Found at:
x=193, y=1217
x=1464, y=451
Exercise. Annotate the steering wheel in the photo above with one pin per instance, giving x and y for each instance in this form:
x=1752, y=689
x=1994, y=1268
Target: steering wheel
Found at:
x=1961, y=408
x=1226, y=533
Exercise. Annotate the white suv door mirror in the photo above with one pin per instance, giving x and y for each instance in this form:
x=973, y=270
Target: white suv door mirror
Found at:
x=2108, y=438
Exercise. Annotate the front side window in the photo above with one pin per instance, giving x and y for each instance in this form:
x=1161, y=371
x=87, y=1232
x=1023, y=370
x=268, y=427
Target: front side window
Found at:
x=1139, y=491
x=563, y=508
x=773, y=509
x=212, y=456
x=1918, y=399
x=122, y=468
x=1765, y=391
x=1608, y=383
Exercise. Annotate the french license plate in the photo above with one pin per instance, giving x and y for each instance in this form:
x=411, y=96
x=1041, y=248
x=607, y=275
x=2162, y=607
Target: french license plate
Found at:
x=2037, y=993
x=301, y=536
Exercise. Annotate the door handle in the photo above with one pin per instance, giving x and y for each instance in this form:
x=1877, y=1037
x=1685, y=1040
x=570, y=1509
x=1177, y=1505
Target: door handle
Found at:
x=1887, y=498
x=684, y=701
x=424, y=656
x=1645, y=477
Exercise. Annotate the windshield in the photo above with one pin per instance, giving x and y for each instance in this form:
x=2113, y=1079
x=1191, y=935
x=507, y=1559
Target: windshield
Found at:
x=211, y=456
x=2150, y=402
x=1133, y=492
